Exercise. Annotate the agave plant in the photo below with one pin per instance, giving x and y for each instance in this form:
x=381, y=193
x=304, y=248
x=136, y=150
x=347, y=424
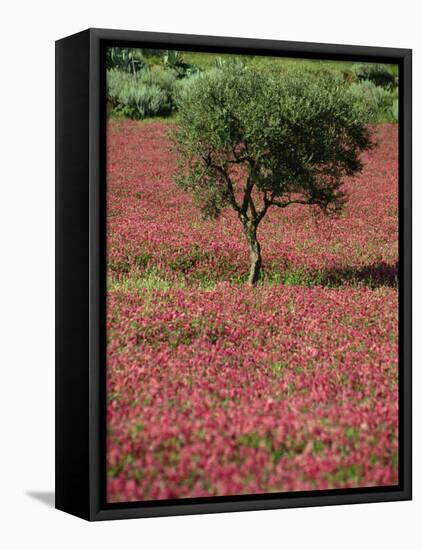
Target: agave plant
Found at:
x=219, y=62
x=234, y=62
x=129, y=60
x=173, y=58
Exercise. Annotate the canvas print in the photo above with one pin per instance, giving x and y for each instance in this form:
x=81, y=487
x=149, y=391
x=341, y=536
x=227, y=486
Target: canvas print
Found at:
x=252, y=275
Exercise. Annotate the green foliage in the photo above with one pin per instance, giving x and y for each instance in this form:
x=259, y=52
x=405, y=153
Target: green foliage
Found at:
x=170, y=70
x=205, y=61
x=278, y=368
x=381, y=104
x=137, y=88
x=151, y=52
x=140, y=95
x=219, y=62
x=129, y=60
x=175, y=61
x=143, y=101
x=395, y=110
x=237, y=63
x=344, y=474
x=292, y=136
x=377, y=73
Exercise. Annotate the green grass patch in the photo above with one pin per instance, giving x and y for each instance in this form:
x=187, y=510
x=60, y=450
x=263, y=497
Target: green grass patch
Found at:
x=141, y=282
x=198, y=268
x=318, y=446
x=344, y=474
x=352, y=433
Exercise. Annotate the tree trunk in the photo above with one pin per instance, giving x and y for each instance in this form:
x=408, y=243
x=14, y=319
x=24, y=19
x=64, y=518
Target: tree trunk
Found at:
x=255, y=255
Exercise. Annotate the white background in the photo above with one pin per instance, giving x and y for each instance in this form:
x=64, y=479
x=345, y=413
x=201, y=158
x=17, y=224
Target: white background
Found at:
x=28, y=31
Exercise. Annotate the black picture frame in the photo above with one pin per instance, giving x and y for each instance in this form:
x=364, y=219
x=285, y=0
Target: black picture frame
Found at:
x=80, y=274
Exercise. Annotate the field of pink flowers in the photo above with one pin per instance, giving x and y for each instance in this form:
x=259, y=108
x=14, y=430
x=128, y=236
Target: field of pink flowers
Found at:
x=217, y=388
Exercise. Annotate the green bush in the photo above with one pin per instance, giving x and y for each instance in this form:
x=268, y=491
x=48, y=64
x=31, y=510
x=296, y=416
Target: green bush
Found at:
x=163, y=78
x=144, y=94
x=142, y=101
x=381, y=104
x=377, y=73
x=395, y=110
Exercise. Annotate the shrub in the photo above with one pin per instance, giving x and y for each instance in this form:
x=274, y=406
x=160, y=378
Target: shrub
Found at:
x=142, y=101
x=381, y=104
x=395, y=110
x=147, y=93
x=163, y=78
x=377, y=73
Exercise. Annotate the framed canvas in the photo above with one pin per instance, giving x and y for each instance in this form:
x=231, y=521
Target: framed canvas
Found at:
x=233, y=274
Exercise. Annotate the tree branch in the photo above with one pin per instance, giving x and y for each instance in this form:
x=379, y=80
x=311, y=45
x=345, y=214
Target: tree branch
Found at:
x=231, y=195
x=263, y=211
x=270, y=201
x=247, y=193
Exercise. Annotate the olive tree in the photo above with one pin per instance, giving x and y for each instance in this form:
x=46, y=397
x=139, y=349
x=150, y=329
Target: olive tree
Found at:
x=252, y=140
